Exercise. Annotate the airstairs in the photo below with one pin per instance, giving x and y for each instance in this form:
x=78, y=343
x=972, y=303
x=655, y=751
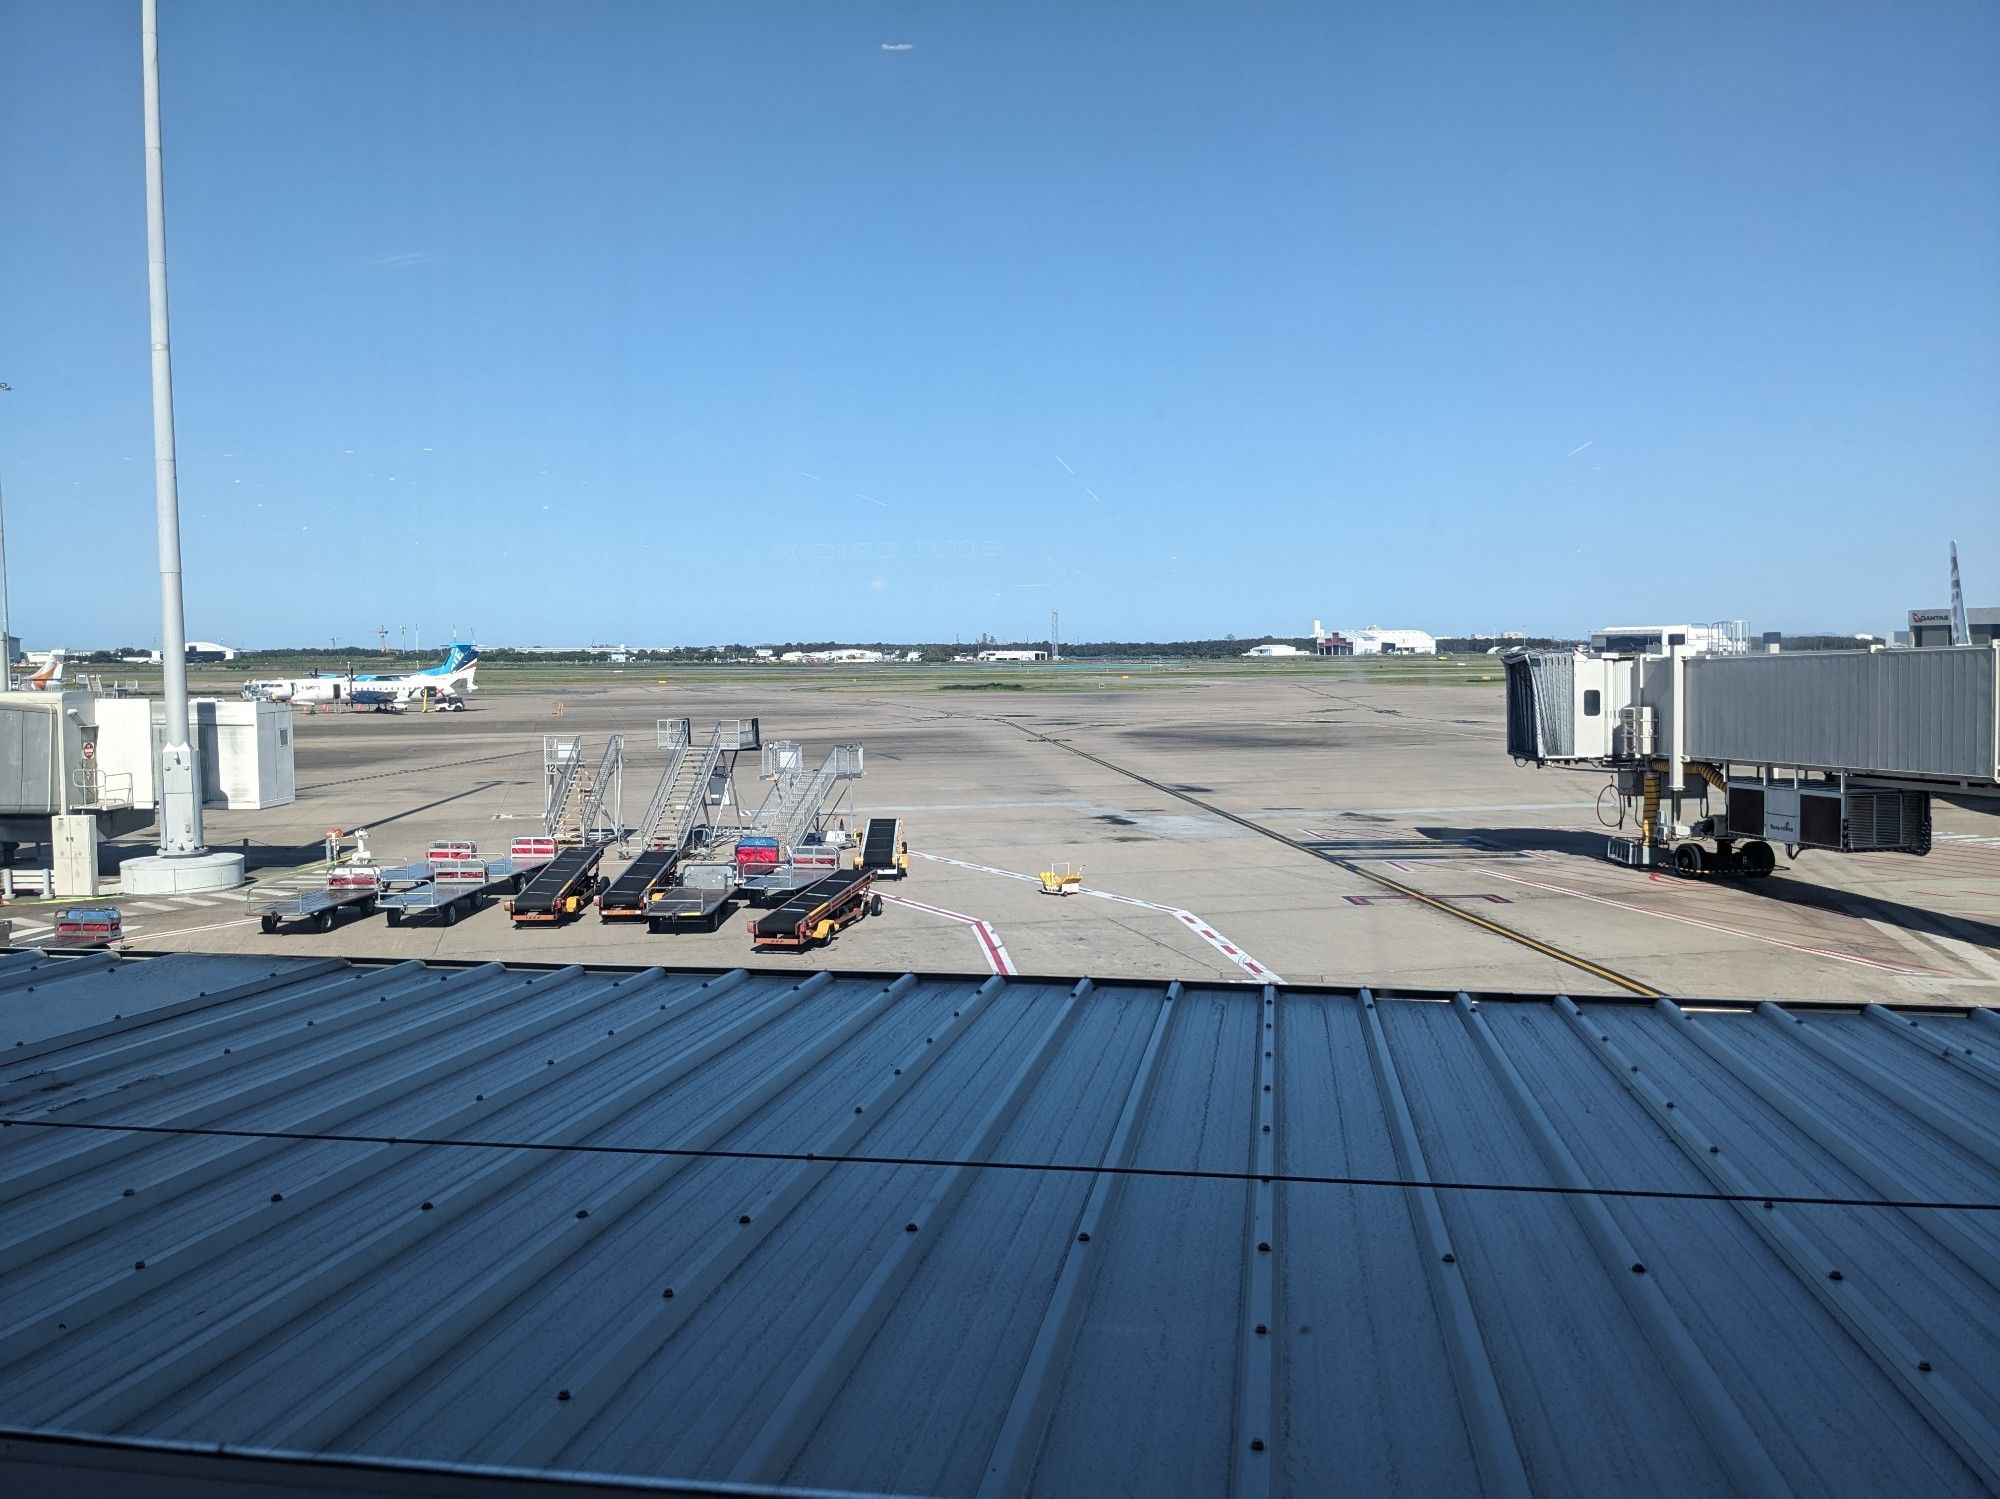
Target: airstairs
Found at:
x=682, y=795
x=797, y=801
x=585, y=799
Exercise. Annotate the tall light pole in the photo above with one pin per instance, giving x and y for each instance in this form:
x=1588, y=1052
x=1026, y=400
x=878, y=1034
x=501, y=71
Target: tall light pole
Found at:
x=180, y=786
x=182, y=863
x=6, y=624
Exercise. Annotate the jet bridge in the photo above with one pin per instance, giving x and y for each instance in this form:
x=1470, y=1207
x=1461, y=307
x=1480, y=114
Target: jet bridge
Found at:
x=1837, y=750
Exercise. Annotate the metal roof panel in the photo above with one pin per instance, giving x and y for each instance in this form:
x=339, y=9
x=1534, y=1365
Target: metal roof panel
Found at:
x=965, y=1235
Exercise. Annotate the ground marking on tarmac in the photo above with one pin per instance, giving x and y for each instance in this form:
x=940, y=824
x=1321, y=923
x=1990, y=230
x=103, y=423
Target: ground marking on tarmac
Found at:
x=1395, y=895
x=1733, y=931
x=989, y=940
x=982, y=868
x=1932, y=925
x=1187, y=919
x=189, y=931
x=1223, y=945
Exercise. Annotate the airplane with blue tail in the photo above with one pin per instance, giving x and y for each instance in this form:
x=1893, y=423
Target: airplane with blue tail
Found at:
x=443, y=685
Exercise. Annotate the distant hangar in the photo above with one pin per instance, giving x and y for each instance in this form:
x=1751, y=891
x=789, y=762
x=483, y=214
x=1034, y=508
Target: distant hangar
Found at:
x=405, y=1228
x=1375, y=641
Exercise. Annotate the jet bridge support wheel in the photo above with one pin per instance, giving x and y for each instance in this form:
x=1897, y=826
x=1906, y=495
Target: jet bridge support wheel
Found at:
x=1758, y=860
x=1690, y=861
x=269, y=925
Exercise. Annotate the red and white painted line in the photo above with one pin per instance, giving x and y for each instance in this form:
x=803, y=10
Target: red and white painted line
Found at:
x=1733, y=931
x=1188, y=919
x=1005, y=874
x=990, y=945
x=1227, y=948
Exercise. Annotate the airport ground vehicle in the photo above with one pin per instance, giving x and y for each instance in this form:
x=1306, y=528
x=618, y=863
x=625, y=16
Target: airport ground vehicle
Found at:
x=630, y=895
x=87, y=926
x=349, y=887
x=818, y=912
x=560, y=889
x=459, y=884
x=884, y=849
x=756, y=855
x=1061, y=879
x=688, y=908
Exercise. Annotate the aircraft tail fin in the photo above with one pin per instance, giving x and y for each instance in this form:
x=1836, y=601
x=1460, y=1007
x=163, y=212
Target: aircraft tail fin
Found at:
x=50, y=675
x=459, y=656
x=1961, y=631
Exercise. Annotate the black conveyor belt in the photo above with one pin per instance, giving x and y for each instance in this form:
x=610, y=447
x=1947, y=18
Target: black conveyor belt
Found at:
x=878, y=843
x=783, y=921
x=628, y=891
x=554, y=879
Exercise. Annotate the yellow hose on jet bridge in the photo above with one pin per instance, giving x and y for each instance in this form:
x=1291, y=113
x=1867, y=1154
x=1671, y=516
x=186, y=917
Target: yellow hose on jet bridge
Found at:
x=1650, y=814
x=1707, y=772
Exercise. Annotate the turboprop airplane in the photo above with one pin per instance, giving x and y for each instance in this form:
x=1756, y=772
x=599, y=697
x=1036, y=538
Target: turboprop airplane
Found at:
x=444, y=685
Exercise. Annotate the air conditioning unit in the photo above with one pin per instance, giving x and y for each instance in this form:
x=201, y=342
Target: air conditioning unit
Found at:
x=1898, y=820
x=1824, y=815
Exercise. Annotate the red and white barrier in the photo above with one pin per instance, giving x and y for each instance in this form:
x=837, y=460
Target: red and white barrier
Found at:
x=525, y=851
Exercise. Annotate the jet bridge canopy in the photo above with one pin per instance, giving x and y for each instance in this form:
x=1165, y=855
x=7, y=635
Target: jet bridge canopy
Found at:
x=1901, y=714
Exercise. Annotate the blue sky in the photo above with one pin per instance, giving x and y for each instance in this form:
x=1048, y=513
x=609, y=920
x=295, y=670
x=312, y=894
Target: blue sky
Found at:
x=661, y=322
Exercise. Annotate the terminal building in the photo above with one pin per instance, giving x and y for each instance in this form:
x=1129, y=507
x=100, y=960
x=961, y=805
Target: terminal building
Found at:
x=1932, y=627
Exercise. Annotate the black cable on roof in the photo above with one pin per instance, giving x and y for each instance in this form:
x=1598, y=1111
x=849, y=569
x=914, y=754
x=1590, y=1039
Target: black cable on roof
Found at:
x=1065, y=1168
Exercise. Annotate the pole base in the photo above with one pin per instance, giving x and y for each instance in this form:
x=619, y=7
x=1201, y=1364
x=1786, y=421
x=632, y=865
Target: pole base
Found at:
x=188, y=874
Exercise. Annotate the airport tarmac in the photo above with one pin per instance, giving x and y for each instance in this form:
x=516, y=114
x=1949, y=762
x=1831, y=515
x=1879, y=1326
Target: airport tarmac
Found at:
x=1387, y=800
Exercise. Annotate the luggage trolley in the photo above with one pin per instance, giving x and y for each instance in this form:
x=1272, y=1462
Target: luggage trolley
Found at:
x=460, y=883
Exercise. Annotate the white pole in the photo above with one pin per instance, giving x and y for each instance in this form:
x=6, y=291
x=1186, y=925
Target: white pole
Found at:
x=6, y=625
x=1677, y=770
x=180, y=781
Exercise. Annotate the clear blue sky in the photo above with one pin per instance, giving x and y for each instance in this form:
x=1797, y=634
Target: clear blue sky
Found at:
x=598, y=321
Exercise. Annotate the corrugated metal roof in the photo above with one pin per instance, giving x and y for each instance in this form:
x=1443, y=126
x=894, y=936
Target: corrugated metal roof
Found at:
x=720, y=1290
